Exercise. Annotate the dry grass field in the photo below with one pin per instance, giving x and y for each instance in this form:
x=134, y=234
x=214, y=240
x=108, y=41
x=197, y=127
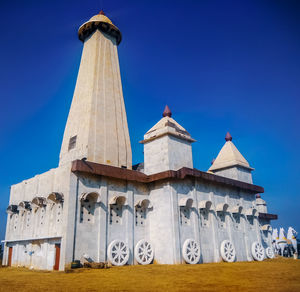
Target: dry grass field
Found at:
x=270, y=275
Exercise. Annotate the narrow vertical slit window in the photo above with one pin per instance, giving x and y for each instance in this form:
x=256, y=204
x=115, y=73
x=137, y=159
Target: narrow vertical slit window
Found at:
x=140, y=216
x=204, y=216
x=236, y=220
x=222, y=219
x=72, y=143
x=116, y=214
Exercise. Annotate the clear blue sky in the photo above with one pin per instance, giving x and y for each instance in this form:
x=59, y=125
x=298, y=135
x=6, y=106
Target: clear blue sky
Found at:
x=220, y=66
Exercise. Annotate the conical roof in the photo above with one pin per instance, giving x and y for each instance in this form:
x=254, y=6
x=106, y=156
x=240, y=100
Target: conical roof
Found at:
x=229, y=156
x=167, y=126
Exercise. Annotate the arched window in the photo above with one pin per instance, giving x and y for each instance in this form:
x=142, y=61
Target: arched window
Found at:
x=88, y=203
x=221, y=214
x=237, y=212
x=116, y=204
x=39, y=206
x=185, y=205
x=205, y=207
x=38, y=202
x=55, y=205
x=25, y=211
x=251, y=214
x=13, y=212
x=141, y=210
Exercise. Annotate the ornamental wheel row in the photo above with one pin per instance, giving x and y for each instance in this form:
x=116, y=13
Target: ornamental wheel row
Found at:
x=118, y=252
x=191, y=251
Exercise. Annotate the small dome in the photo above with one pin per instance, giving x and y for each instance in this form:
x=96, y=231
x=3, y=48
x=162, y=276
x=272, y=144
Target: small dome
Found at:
x=101, y=22
x=101, y=17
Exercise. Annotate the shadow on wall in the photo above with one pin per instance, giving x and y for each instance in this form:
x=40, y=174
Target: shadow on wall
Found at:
x=1, y=253
x=3, y=217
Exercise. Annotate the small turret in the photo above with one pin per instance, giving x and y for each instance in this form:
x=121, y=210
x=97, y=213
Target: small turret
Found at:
x=261, y=204
x=231, y=163
x=167, y=146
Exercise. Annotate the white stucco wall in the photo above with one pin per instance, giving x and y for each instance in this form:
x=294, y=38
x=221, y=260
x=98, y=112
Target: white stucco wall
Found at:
x=29, y=227
x=237, y=173
x=167, y=153
x=163, y=226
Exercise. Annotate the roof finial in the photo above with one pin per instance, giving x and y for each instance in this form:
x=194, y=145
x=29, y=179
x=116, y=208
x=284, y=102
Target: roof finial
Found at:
x=167, y=112
x=228, y=137
x=101, y=12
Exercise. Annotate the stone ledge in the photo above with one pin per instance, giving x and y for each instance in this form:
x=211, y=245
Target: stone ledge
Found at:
x=132, y=175
x=267, y=216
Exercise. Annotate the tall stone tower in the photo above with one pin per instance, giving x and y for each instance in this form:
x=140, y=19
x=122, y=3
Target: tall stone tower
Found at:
x=97, y=127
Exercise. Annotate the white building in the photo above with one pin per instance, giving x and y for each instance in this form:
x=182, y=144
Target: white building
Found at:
x=96, y=206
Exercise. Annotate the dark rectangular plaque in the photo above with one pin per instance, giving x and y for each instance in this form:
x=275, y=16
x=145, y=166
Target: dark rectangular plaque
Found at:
x=72, y=142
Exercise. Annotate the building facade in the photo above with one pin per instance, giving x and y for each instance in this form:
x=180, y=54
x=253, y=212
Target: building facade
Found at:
x=97, y=207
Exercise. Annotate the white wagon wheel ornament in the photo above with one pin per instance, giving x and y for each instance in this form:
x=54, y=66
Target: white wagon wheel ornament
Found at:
x=227, y=251
x=118, y=253
x=258, y=251
x=270, y=252
x=143, y=252
x=191, y=251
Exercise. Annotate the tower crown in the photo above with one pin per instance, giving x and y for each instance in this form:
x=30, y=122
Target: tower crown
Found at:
x=101, y=22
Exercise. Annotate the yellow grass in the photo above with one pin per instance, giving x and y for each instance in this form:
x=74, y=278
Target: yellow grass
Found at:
x=270, y=275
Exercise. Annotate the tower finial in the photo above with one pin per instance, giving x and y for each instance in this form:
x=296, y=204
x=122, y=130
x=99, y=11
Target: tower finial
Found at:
x=101, y=12
x=167, y=112
x=228, y=137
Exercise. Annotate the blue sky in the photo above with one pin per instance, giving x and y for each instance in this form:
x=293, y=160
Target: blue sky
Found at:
x=220, y=66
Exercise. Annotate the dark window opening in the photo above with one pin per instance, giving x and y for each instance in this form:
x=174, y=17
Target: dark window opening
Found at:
x=72, y=142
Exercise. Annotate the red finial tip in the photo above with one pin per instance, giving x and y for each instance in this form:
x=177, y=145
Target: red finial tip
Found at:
x=212, y=162
x=167, y=112
x=228, y=137
x=101, y=12
x=258, y=196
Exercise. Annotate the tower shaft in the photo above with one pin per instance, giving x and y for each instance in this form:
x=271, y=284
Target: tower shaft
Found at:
x=97, y=127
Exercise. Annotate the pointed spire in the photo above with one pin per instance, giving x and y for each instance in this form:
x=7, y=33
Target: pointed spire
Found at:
x=229, y=156
x=167, y=126
x=228, y=137
x=101, y=12
x=167, y=112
